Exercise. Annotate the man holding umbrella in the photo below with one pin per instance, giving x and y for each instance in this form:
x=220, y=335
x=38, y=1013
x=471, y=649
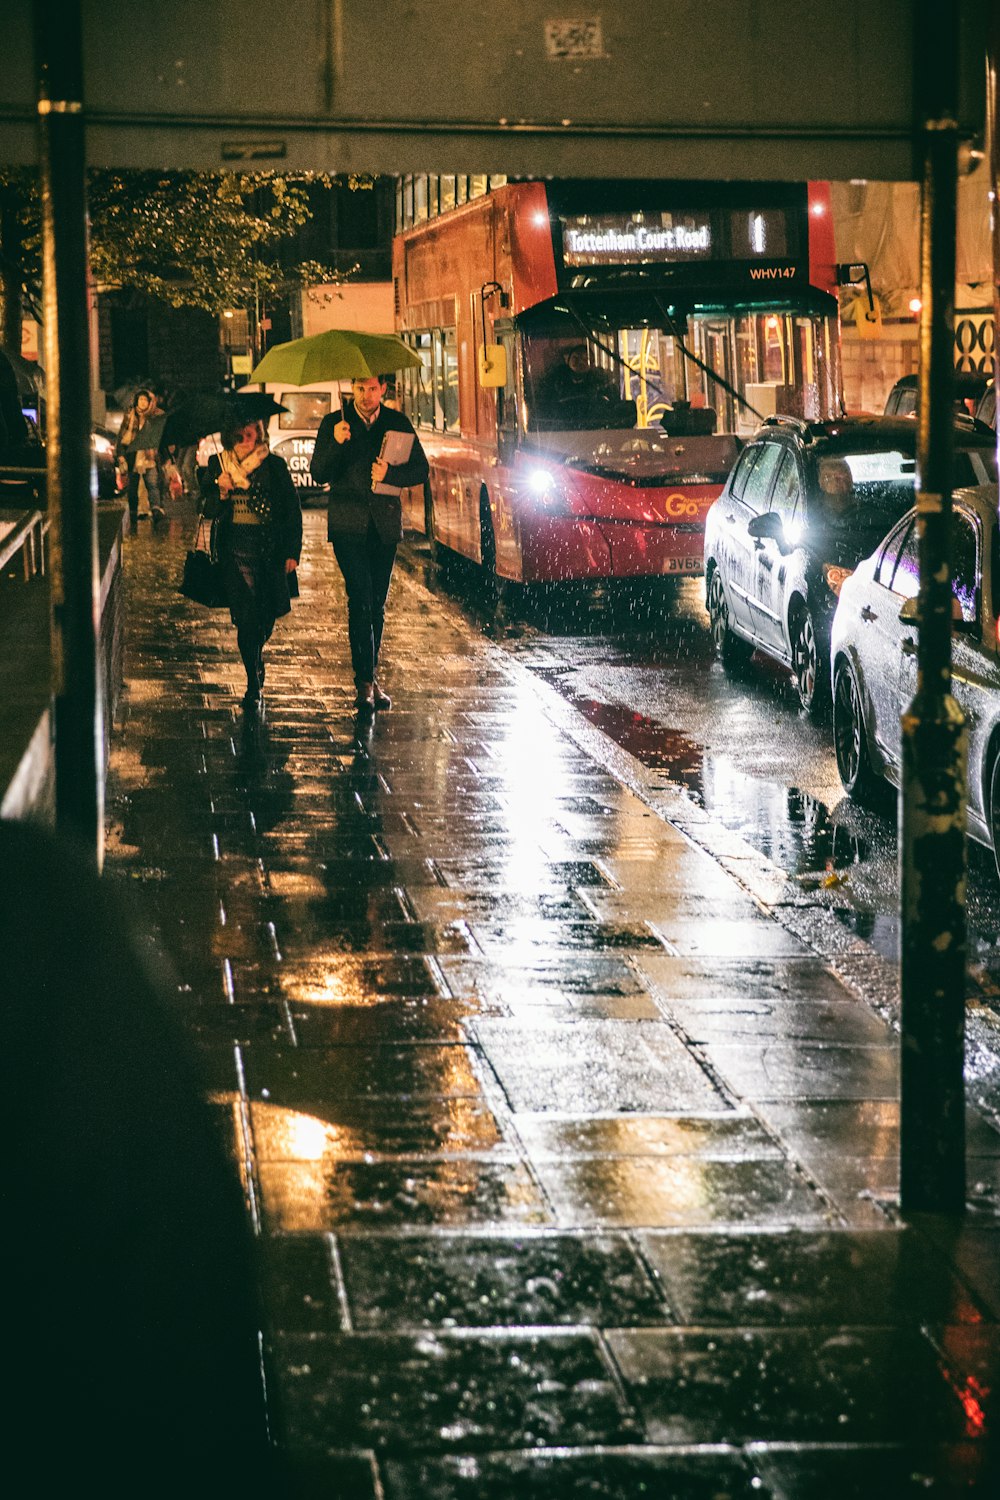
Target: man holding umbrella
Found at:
x=366, y=453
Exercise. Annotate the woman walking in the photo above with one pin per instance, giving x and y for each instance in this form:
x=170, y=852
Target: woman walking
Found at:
x=259, y=538
x=139, y=456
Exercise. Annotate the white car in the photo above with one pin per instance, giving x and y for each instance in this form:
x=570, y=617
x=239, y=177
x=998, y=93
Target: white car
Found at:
x=874, y=665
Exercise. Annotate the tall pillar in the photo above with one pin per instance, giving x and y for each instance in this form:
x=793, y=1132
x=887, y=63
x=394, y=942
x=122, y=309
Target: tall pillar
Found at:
x=932, y=806
x=73, y=522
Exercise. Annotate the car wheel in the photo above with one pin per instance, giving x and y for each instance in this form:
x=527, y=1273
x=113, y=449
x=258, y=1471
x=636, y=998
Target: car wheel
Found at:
x=850, y=738
x=809, y=668
x=730, y=648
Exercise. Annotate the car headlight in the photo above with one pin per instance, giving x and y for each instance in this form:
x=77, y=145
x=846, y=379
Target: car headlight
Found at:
x=835, y=576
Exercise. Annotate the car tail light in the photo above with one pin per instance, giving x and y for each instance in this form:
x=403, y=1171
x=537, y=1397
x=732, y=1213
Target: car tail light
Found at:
x=835, y=577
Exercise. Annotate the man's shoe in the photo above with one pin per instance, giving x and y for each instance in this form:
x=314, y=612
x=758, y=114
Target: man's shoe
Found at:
x=381, y=699
x=159, y=514
x=365, y=699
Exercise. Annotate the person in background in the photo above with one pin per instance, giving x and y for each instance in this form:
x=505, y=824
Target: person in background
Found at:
x=180, y=466
x=139, y=455
x=20, y=446
x=393, y=394
x=250, y=491
x=365, y=526
x=13, y=428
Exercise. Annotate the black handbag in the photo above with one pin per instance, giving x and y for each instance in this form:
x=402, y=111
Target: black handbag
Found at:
x=202, y=580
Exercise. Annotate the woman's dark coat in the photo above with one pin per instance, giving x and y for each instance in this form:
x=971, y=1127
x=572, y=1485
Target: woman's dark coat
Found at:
x=284, y=526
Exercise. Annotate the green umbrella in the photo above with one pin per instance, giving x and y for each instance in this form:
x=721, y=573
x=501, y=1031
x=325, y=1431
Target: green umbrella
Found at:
x=337, y=354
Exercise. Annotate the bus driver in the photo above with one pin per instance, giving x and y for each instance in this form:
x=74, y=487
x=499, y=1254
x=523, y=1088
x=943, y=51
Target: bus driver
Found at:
x=574, y=387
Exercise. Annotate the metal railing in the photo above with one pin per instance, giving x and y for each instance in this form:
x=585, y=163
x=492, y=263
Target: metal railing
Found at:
x=23, y=531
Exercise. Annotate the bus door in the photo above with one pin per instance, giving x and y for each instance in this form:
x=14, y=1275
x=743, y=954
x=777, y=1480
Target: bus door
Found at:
x=507, y=395
x=713, y=345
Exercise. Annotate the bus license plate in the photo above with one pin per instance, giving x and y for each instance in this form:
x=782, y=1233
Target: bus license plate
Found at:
x=684, y=565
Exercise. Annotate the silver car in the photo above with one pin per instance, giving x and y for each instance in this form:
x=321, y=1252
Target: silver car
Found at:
x=873, y=656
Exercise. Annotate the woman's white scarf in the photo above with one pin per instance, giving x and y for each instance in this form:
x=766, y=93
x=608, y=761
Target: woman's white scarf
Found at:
x=240, y=469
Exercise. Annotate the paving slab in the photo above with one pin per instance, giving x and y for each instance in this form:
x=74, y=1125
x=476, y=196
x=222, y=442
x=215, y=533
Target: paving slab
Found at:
x=465, y=1390
x=541, y=1280
x=613, y=1474
x=823, y=1384
x=805, y=1278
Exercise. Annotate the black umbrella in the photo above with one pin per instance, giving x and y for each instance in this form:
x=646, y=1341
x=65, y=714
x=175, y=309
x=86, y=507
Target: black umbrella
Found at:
x=214, y=411
x=29, y=375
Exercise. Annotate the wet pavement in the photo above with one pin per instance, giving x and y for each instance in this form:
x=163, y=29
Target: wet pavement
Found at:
x=568, y=1130
x=640, y=666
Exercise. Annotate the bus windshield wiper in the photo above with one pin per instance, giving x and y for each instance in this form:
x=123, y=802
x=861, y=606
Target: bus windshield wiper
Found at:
x=609, y=349
x=701, y=365
x=689, y=354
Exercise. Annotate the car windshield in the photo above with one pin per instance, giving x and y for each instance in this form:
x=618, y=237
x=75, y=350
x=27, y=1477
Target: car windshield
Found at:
x=869, y=490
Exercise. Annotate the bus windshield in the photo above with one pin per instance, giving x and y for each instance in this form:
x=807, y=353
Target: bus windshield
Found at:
x=700, y=375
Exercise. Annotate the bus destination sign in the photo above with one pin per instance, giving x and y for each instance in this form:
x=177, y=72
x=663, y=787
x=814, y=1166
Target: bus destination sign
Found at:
x=611, y=240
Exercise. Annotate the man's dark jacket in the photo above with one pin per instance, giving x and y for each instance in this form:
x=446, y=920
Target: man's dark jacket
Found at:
x=347, y=469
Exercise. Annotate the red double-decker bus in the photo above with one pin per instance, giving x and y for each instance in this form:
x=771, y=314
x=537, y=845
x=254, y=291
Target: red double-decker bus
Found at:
x=592, y=353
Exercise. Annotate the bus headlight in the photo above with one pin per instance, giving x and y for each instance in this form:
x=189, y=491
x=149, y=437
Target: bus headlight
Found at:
x=541, y=483
x=544, y=487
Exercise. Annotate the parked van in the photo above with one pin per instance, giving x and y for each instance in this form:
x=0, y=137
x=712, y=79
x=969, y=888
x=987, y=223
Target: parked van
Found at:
x=292, y=433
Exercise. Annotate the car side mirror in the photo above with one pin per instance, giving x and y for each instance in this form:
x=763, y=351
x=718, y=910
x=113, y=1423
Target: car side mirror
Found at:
x=768, y=527
x=909, y=614
x=959, y=624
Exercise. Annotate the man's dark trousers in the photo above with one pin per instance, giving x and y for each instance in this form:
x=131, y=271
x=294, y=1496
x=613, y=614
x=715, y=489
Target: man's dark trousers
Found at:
x=366, y=563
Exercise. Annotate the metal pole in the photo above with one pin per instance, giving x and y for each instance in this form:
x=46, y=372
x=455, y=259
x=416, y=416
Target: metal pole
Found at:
x=932, y=811
x=79, y=734
x=993, y=163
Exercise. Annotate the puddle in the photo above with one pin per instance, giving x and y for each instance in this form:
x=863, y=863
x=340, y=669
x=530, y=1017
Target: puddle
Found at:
x=659, y=748
x=789, y=826
x=879, y=928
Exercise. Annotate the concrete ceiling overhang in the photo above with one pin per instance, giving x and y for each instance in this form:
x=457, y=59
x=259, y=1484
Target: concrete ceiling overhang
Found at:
x=660, y=88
